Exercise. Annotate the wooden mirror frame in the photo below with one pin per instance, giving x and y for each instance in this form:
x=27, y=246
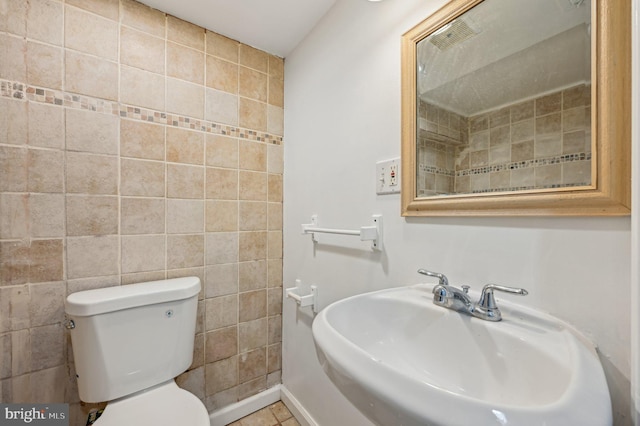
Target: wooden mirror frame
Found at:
x=610, y=191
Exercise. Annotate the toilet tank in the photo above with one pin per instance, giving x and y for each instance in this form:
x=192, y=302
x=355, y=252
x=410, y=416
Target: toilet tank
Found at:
x=132, y=337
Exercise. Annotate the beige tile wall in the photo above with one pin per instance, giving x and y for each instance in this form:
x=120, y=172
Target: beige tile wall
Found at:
x=136, y=146
x=539, y=143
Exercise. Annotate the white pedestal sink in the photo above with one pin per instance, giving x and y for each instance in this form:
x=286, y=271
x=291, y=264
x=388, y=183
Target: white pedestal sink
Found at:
x=403, y=361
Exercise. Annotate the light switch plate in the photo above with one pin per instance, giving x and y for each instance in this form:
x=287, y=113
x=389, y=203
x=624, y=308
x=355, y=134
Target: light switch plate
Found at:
x=388, y=176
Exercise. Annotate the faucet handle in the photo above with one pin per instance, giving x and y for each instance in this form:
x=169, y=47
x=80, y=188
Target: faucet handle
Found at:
x=486, y=307
x=441, y=277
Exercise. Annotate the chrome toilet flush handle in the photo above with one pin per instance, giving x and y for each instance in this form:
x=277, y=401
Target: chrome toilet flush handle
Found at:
x=68, y=323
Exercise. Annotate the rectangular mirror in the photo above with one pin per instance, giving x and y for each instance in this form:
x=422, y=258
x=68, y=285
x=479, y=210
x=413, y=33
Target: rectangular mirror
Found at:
x=517, y=107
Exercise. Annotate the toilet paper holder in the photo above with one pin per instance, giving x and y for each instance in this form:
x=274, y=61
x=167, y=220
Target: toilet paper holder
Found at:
x=297, y=293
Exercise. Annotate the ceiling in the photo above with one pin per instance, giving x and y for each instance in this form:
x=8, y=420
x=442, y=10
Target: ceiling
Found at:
x=520, y=49
x=274, y=26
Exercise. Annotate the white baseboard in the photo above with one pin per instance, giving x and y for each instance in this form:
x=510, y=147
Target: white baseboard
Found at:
x=231, y=413
x=298, y=411
x=243, y=408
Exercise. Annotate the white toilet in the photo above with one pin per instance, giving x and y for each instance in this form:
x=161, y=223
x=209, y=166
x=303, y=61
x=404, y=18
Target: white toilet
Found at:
x=129, y=343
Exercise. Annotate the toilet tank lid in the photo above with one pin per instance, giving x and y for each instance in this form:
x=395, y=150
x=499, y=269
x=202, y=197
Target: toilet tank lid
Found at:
x=110, y=299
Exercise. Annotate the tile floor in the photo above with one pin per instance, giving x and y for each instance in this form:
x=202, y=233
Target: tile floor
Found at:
x=274, y=415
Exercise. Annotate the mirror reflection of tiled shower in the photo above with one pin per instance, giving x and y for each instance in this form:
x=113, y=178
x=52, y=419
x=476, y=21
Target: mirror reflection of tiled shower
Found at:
x=538, y=143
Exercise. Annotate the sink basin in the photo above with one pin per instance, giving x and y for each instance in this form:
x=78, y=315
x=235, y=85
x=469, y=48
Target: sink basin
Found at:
x=401, y=360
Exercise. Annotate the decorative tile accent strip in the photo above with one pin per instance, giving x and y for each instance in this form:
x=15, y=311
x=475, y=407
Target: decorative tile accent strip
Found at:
x=526, y=164
x=436, y=170
x=527, y=188
x=11, y=89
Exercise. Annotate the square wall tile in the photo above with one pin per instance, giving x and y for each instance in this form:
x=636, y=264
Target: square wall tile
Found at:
x=89, y=75
x=221, y=216
x=142, y=88
x=252, y=335
x=221, y=280
x=253, y=155
x=185, y=251
x=91, y=215
x=221, y=184
x=47, y=347
x=253, y=186
x=275, y=159
x=142, y=253
x=44, y=21
x=185, y=33
x=252, y=246
x=252, y=114
x=221, y=75
x=47, y=303
x=185, y=216
x=221, y=151
x=275, y=329
x=221, y=312
x=185, y=63
x=276, y=92
x=91, y=174
x=15, y=302
x=252, y=365
x=142, y=215
x=274, y=274
x=13, y=65
x=92, y=256
x=141, y=140
x=14, y=263
x=90, y=33
x=221, y=344
x=185, y=98
x=143, y=18
x=222, y=47
x=14, y=216
x=107, y=8
x=46, y=125
x=252, y=216
x=252, y=84
x=13, y=18
x=275, y=120
x=142, y=178
x=44, y=65
x=252, y=275
x=142, y=50
x=185, y=146
x=14, y=122
x=275, y=188
x=221, y=247
x=88, y=131
x=46, y=258
x=253, y=58
x=46, y=171
x=221, y=375
x=46, y=215
x=221, y=107
x=185, y=181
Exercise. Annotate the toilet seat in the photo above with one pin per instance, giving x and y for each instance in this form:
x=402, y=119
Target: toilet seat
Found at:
x=164, y=405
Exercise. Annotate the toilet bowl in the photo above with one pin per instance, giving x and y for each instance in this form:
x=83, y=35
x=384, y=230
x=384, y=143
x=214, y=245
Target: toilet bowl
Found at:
x=166, y=404
x=129, y=343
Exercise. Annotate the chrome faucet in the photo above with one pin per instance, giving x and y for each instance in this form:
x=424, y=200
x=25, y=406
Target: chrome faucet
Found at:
x=450, y=297
x=442, y=279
